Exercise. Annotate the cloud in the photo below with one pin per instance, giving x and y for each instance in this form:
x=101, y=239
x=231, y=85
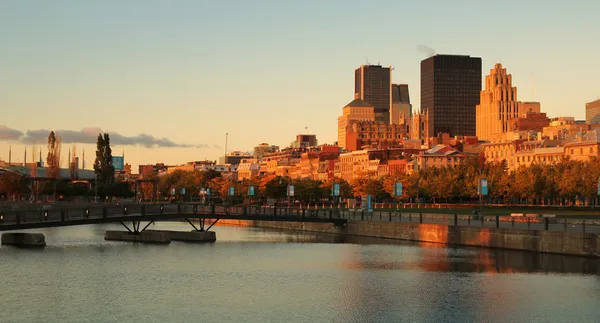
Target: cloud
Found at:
x=7, y=133
x=426, y=50
x=90, y=135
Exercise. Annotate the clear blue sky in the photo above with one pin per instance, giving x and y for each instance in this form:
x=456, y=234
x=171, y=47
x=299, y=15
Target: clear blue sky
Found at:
x=190, y=71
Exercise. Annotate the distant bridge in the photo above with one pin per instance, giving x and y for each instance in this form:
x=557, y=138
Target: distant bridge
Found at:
x=60, y=216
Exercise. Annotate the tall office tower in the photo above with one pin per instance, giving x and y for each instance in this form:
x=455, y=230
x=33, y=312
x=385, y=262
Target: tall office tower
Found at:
x=401, y=109
x=373, y=84
x=450, y=86
x=592, y=112
x=498, y=104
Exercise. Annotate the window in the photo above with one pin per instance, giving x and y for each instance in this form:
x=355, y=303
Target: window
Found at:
x=581, y=151
x=571, y=151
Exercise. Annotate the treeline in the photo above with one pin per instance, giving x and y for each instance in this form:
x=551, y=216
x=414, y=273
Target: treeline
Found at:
x=567, y=182
x=16, y=187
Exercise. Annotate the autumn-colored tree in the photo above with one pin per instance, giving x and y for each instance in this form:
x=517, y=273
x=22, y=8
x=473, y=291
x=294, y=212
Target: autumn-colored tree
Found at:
x=307, y=190
x=276, y=188
x=345, y=188
x=13, y=185
x=369, y=186
x=53, y=157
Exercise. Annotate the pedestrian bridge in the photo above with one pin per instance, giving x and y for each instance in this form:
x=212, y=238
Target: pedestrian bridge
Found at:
x=134, y=214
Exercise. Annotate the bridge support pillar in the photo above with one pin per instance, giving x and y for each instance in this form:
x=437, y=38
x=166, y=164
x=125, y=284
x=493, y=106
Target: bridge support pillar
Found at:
x=145, y=236
x=20, y=239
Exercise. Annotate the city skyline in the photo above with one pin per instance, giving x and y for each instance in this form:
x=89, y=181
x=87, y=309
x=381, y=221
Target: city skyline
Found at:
x=191, y=77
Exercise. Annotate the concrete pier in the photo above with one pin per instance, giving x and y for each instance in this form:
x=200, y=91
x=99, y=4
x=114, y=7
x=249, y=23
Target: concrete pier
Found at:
x=27, y=240
x=189, y=236
x=145, y=236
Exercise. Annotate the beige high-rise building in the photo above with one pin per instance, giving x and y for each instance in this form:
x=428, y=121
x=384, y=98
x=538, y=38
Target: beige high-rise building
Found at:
x=497, y=104
x=358, y=110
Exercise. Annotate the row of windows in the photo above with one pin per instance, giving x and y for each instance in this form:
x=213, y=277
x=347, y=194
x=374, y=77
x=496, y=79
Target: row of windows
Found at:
x=538, y=158
x=380, y=136
x=591, y=151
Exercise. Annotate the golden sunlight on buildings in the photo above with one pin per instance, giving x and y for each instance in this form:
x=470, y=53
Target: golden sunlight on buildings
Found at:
x=498, y=104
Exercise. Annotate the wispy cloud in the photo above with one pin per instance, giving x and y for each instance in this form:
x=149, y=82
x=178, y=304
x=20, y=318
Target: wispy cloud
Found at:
x=7, y=133
x=424, y=49
x=89, y=136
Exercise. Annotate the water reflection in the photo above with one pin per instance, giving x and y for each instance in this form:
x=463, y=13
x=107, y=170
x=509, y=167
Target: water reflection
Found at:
x=441, y=258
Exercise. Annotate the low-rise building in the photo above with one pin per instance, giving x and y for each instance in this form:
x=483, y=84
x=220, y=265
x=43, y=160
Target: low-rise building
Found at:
x=438, y=156
x=248, y=169
x=584, y=146
x=539, y=152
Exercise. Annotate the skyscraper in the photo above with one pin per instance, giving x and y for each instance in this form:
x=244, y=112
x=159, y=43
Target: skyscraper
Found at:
x=498, y=104
x=592, y=112
x=373, y=84
x=401, y=109
x=450, y=86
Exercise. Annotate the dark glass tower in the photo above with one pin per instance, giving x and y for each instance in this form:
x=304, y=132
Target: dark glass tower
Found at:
x=373, y=85
x=450, y=86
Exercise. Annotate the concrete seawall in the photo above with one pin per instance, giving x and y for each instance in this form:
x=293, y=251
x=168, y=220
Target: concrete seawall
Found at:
x=566, y=243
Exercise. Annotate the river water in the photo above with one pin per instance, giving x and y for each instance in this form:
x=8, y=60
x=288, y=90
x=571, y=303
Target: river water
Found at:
x=254, y=275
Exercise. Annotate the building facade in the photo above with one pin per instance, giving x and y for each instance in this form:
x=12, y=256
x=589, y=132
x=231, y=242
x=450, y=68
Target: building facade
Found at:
x=401, y=109
x=450, y=87
x=531, y=121
x=357, y=110
x=304, y=141
x=497, y=104
x=592, y=112
x=419, y=127
x=373, y=84
x=368, y=134
x=263, y=149
x=234, y=157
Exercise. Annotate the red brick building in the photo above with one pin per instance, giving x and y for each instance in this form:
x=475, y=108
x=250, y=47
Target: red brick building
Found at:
x=378, y=135
x=531, y=121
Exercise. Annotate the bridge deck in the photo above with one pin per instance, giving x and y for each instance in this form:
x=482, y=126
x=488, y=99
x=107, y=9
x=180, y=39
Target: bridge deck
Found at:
x=57, y=217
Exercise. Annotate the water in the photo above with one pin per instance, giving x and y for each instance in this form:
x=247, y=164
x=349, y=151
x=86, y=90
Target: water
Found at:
x=253, y=275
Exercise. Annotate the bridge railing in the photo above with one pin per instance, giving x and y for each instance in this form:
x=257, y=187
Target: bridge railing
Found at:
x=531, y=222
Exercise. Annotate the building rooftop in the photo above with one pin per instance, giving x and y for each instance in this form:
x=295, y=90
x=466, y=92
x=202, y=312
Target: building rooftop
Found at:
x=358, y=103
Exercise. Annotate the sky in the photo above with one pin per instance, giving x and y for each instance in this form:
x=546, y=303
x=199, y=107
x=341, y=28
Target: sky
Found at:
x=169, y=78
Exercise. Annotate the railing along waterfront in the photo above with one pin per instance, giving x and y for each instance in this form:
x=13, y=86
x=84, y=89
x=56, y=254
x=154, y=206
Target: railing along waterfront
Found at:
x=482, y=221
x=174, y=211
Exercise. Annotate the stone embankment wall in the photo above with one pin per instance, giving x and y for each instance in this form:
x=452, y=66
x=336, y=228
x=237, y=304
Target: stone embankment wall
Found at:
x=566, y=243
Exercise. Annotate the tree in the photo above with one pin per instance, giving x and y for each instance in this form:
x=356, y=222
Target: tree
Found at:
x=53, y=157
x=103, y=164
x=345, y=187
x=369, y=186
x=12, y=185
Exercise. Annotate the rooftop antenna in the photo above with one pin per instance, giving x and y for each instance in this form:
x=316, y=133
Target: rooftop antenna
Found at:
x=9, y=155
x=306, y=129
x=367, y=61
x=83, y=160
x=226, y=139
x=532, y=88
